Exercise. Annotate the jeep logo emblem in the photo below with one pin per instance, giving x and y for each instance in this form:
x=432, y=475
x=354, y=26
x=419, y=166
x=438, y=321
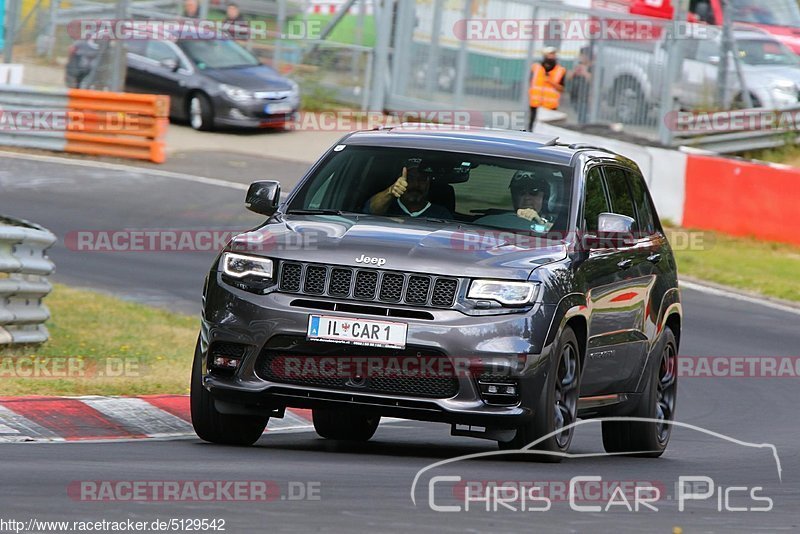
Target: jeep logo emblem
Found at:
x=371, y=261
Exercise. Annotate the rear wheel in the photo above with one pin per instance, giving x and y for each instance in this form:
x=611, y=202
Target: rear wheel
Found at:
x=558, y=404
x=213, y=426
x=344, y=425
x=649, y=439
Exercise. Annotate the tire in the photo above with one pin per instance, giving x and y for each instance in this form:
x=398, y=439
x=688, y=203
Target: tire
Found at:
x=738, y=102
x=649, y=440
x=201, y=113
x=213, y=426
x=557, y=406
x=628, y=102
x=344, y=425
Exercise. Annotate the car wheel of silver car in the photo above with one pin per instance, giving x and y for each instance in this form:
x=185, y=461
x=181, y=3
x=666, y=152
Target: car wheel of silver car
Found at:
x=649, y=439
x=344, y=424
x=201, y=113
x=557, y=408
x=629, y=104
x=213, y=426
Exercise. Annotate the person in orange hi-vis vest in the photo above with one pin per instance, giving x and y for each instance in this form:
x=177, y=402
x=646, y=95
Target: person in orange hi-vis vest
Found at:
x=547, y=84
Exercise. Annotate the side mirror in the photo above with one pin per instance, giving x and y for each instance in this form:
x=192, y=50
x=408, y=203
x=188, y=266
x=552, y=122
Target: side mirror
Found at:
x=263, y=197
x=613, y=230
x=169, y=64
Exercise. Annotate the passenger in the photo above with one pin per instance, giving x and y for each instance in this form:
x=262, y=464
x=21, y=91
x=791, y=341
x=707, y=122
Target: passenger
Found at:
x=529, y=194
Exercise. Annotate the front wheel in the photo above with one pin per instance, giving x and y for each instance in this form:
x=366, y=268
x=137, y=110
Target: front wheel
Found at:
x=649, y=439
x=558, y=405
x=344, y=425
x=213, y=426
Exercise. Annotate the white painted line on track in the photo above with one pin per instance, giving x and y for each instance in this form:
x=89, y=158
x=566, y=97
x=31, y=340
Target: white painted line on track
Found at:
x=738, y=296
x=126, y=168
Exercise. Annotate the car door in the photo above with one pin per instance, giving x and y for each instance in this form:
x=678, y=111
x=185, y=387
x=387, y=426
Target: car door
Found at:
x=161, y=69
x=656, y=271
x=615, y=290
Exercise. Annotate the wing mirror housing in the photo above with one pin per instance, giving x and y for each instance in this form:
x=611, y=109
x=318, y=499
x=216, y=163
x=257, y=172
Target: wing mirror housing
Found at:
x=263, y=197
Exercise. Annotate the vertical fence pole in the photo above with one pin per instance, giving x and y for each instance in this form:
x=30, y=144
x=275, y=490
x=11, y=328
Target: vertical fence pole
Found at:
x=524, y=93
x=462, y=62
x=381, y=66
x=277, y=60
x=12, y=15
x=674, y=64
x=433, y=57
x=119, y=61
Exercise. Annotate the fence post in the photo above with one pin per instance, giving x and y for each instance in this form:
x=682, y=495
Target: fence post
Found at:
x=462, y=64
x=381, y=66
x=12, y=16
x=674, y=65
x=119, y=62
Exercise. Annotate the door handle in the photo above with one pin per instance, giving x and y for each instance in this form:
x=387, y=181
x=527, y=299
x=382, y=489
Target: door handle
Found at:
x=625, y=264
x=654, y=259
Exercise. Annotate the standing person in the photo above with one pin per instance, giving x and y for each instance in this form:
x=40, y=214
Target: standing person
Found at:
x=546, y=84
x=233, y=15
x=580, y=83
x=191, y=9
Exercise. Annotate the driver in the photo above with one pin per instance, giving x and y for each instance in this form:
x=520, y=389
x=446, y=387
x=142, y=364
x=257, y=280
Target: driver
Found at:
x=528, y=193
x=407, y=196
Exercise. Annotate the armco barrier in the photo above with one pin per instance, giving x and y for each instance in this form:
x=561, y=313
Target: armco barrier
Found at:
x=82, y=121
x=742, y=198
x=24, y=268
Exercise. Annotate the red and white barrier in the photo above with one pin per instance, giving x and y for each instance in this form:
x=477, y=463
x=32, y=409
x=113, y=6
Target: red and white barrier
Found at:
x=331, y=7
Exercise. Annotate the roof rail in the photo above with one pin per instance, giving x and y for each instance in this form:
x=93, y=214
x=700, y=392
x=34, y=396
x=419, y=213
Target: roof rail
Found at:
x=588, y=146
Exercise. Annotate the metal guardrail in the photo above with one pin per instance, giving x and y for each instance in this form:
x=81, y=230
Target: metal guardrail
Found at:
x=24, y=268
x=729, y=132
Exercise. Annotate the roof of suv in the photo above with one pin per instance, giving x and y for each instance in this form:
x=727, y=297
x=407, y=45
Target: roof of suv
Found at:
x=487, y=141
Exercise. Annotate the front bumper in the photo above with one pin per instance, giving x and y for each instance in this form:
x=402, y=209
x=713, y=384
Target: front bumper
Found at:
x=510, y=344
x=251, y=114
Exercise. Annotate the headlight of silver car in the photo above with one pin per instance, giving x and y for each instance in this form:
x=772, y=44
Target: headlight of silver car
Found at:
x=240, y=266
x=237, y=93
x=506, y=293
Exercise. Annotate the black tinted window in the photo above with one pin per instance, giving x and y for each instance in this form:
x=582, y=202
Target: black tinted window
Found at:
x=643, y=208
x=620, y=193
x=595, y=201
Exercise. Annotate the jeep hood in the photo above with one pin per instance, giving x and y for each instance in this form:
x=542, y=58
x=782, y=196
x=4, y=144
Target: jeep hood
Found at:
x=407, y=245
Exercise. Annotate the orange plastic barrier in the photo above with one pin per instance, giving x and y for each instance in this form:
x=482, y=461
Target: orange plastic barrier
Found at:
x=742, y=198
x=123, y=125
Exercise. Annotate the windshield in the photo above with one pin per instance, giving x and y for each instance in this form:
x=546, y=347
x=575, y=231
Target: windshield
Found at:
x=508, y=194
x=773, y=12
x=218, y=54
x=766, y=52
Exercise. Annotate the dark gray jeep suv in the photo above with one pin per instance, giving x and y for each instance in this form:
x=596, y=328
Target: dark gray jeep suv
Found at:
x=499, y=281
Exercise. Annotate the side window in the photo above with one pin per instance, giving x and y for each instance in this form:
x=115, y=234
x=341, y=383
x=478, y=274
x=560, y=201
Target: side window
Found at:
x=619, y=191
x=595, y=201
x=159, y=51
x=646, y=216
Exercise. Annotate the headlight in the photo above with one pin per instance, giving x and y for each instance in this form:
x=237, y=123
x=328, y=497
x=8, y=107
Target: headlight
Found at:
x=239, y=266
x=508, y=293
x=786, y=88
x=236, y=93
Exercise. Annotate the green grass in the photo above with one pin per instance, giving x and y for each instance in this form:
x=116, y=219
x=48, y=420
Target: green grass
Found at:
x=771, y=269
x=96, y=334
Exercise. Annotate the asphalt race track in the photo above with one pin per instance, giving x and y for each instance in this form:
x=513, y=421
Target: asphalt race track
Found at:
x=368, y=487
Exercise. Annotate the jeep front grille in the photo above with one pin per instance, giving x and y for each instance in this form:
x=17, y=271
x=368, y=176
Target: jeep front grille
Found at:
x=368, y=285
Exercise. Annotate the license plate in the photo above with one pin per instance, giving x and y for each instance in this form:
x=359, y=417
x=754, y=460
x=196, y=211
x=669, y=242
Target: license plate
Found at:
x=277, y=109
x=357, y=331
